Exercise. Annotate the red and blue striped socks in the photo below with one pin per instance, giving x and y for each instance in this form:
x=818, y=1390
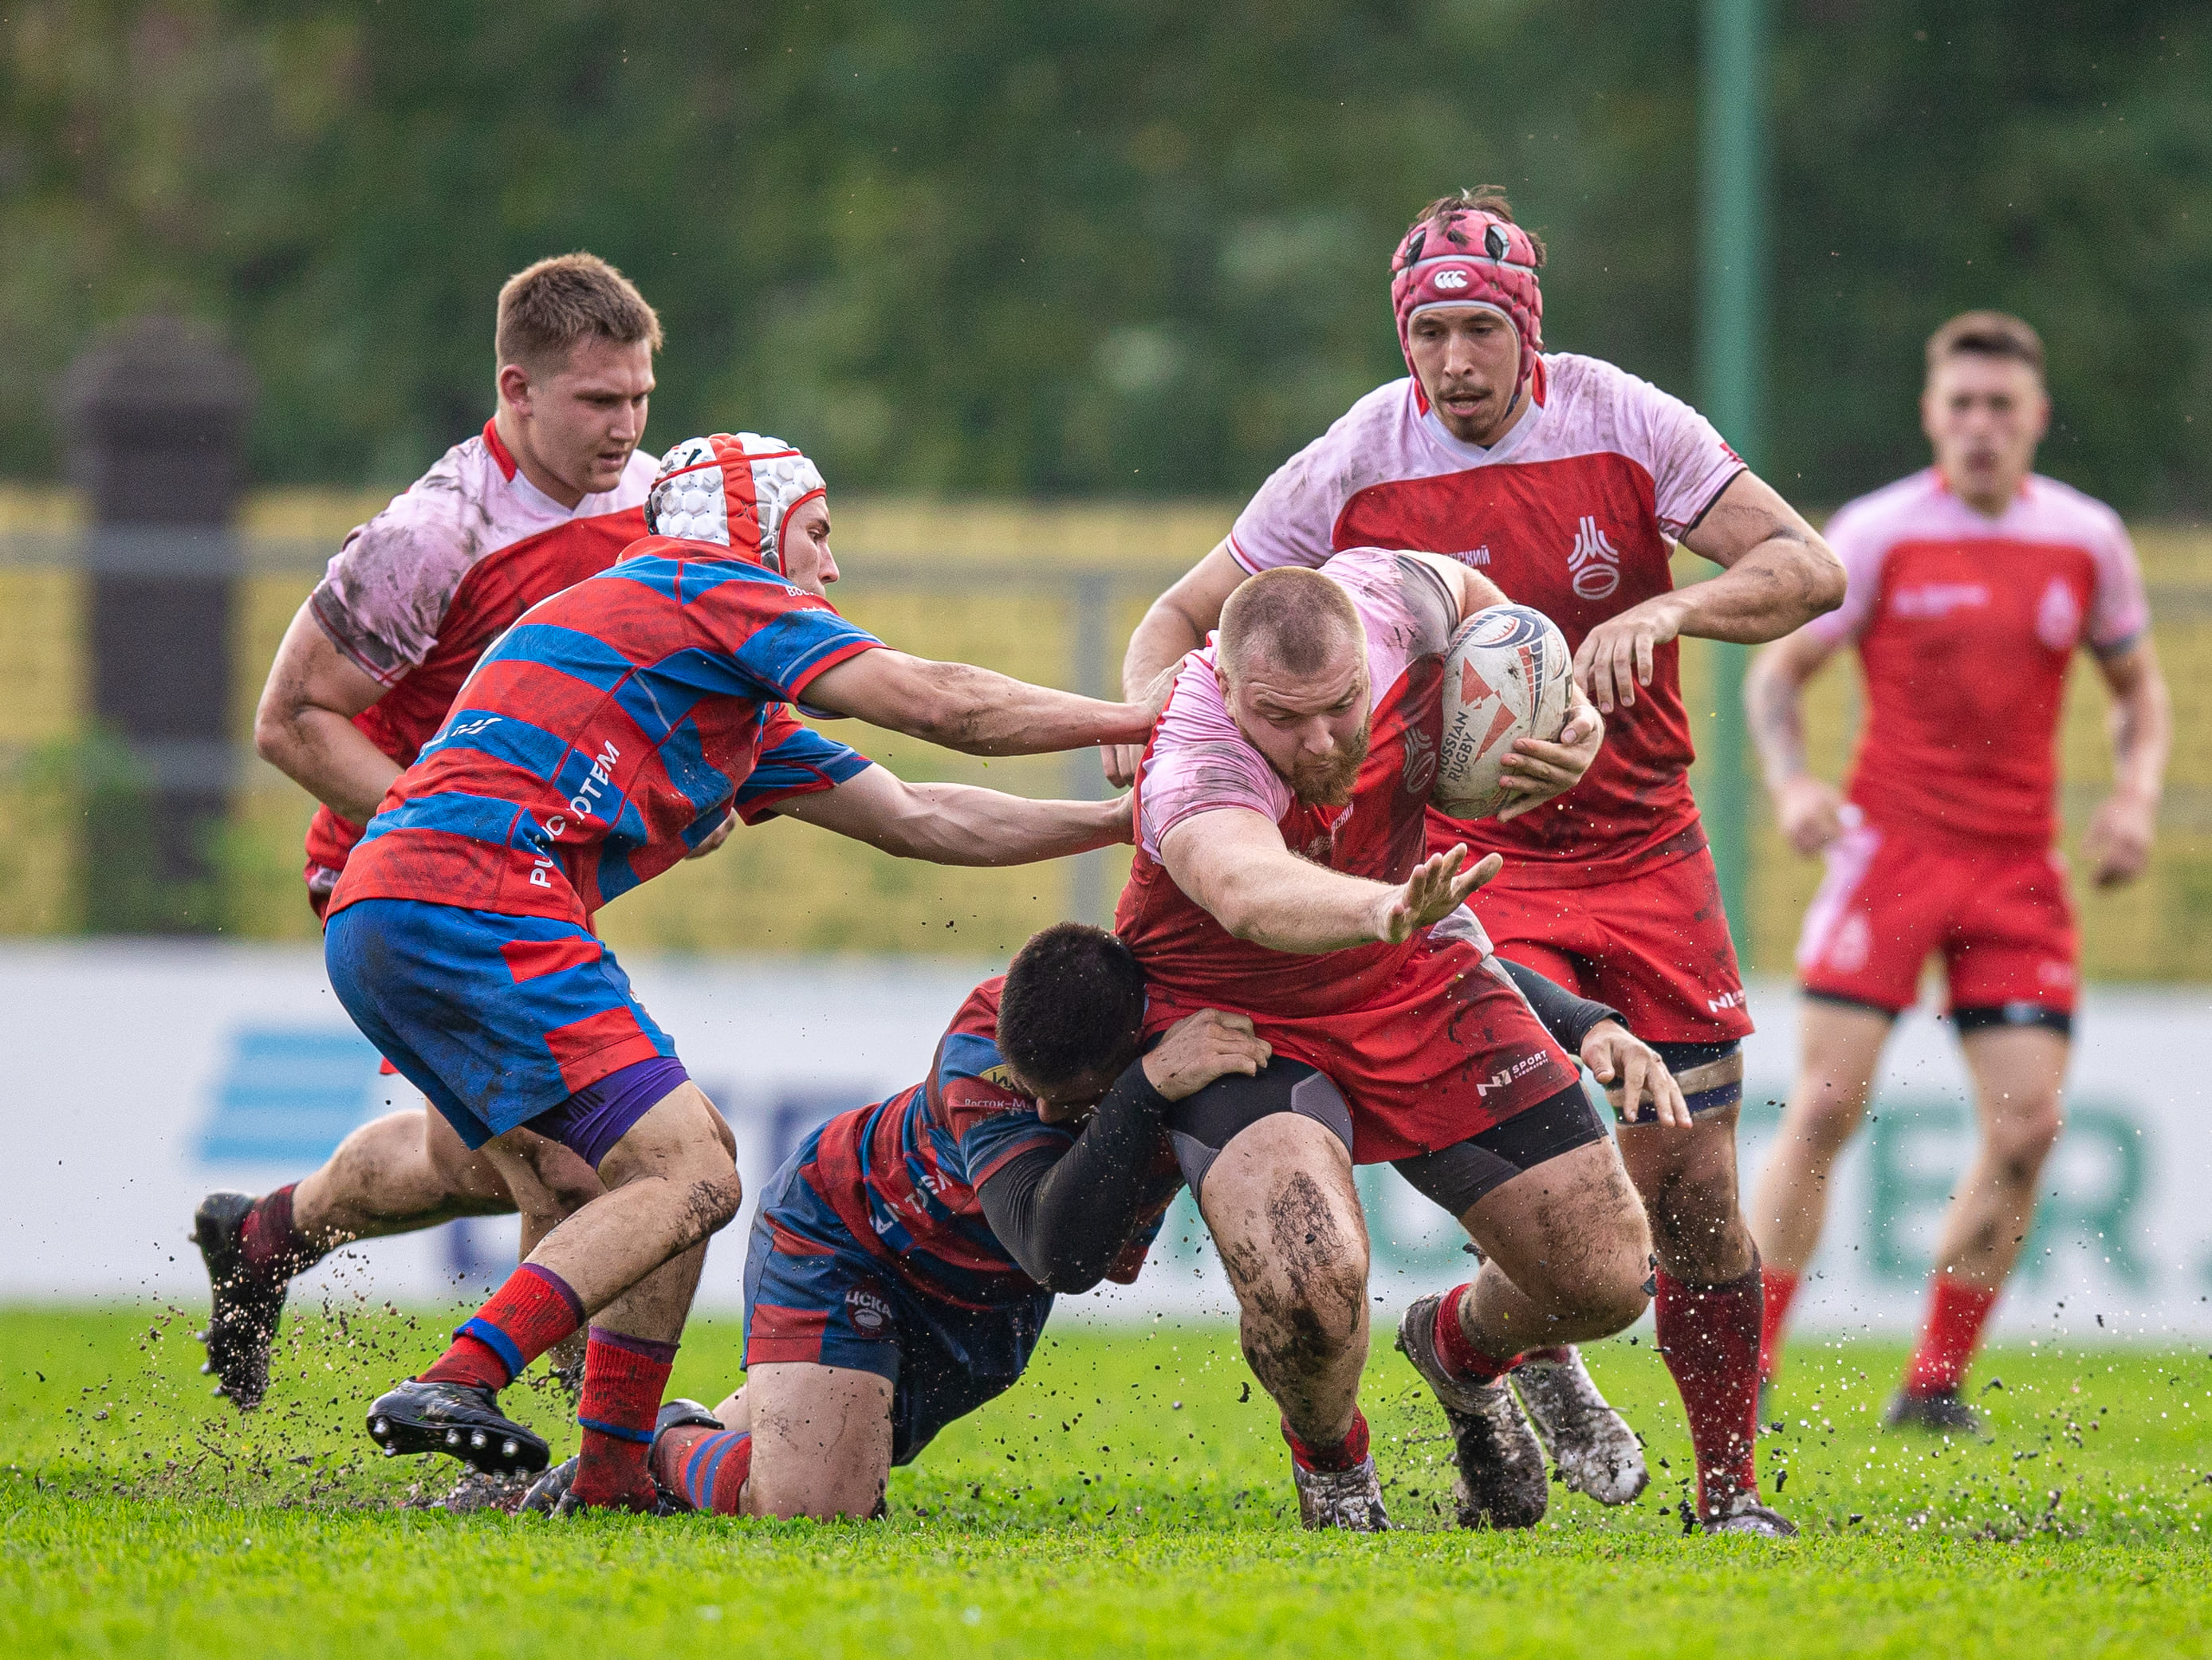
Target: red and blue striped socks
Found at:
x=707, y=1467
x=527, y=1315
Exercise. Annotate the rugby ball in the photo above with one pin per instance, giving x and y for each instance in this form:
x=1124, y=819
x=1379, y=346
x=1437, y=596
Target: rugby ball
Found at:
x=1505, y=677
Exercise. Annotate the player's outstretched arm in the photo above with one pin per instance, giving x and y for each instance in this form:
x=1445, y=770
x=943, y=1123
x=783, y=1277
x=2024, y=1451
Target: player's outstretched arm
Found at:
x=1809, y=810
x=959, y=824
x=2142, y=724
x=304, y=726
x=1779, y=575
x=1232, y=861
x=971, y=709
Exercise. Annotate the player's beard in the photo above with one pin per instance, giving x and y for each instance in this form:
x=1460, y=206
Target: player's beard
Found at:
x=1325, y=781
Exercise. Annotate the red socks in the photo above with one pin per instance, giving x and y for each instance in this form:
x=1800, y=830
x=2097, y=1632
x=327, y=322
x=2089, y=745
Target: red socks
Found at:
x=707, y=1467
x=1710, y=1336
x=1778, y=1289
x=624, y=1378
x=272, y=1247
x=1461, y=1358
x=1956, y=1313
x=527, y=1315
x=1347, y=1454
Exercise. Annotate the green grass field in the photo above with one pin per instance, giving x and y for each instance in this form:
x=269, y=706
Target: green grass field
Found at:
x=1130, y=1496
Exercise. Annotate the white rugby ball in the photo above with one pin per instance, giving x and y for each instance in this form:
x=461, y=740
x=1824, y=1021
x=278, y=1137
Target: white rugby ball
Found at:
x=1505, y=677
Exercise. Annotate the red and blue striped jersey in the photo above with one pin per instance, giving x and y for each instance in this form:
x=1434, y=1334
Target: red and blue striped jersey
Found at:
x=607, y=734
x=902, y=1174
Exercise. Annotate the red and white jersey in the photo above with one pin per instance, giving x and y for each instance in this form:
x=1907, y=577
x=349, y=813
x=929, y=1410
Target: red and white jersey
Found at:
x=1965, y=625
x=1199, y=760
x=1572, y=513
x=415, y=595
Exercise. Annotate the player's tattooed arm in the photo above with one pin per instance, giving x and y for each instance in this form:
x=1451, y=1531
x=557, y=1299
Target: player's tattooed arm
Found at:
x=959, y=824
x=1232, y=861
x=303, y=725
x=1779, y=575
x=1809, y=810
x=973, y=710
x=2142, y=727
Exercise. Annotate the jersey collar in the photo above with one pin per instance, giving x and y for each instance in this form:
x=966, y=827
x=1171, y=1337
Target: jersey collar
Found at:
x=1475, y=455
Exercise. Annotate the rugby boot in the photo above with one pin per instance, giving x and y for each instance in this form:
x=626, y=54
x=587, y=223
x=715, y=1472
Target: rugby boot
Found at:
x=1745, y=1516
x=1501, y=1481
x=1596, y=1450
x=462, y=1420
x=246, y=1304
x=1942, y=1411
x=1350, y=1499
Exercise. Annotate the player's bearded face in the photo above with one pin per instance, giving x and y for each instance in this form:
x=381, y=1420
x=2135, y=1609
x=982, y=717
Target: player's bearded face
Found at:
x=1313, y=729
x=1469, y=361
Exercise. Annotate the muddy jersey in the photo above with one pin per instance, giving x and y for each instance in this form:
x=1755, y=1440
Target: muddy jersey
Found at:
x=1573, y=513
x=902, y=1174
x=415, y=595
x=1965, y=625
x=1198, y=761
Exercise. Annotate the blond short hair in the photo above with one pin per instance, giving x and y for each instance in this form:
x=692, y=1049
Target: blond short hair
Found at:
x=546, y=309
x=1293, y=618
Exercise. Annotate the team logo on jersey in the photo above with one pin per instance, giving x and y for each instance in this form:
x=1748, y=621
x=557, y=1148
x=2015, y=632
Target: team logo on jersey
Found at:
x=1420, y=761
x=869, y=1311
x=1593, y=561
x=1451, y=279
x=2059, y=616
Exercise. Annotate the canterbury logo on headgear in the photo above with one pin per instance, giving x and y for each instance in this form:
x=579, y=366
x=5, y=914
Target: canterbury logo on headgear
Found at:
x=737, y=489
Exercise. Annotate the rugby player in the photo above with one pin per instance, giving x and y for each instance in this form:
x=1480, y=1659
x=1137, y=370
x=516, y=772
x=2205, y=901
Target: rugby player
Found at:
x=1566, y=481
x=596, y=741
x=547, y=494
x=1280, y=872
x=1972, y=583
x=905, y=1259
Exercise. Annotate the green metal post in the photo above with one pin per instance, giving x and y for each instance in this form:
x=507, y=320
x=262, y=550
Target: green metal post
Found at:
x=1732, y=315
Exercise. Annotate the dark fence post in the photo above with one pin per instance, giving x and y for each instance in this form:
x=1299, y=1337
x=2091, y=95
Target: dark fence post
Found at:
x=156, y=415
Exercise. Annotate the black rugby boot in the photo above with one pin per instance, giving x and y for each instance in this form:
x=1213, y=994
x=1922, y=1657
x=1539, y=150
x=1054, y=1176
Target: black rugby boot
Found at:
x=1942, y=1411
x=245, y=1305
x=462, y=1420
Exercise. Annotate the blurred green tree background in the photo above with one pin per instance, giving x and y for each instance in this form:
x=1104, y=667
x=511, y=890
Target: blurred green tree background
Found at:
x=983, y=248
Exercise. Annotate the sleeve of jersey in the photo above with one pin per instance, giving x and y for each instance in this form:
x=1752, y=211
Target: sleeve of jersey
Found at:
x=1690, y=463
x=1291, y=519
x=385, y=594
x=778, y=639
x=1200, y=762
x=2119, y=615
x=1860, y=545
x=794, y=760
x=992, y=1123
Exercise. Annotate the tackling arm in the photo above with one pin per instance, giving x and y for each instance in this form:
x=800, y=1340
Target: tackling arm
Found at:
x=304, y=726
x=1232, y=861
x=1808, y=808
x=971, y=709
x=959, y=824
x=1778, y=575
x=2142, y=727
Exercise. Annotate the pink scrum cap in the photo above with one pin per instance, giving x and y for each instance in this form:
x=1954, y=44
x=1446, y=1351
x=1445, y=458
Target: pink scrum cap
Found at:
x=737, y=489
x=1475, y=257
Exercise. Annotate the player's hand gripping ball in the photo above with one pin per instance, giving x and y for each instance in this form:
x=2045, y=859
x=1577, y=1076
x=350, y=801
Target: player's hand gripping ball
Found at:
x=1506, y=676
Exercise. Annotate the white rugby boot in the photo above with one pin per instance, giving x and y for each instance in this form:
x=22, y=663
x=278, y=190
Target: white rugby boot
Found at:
x=1744, y=1516
x=1500, y=1482
x=1596, y=1452
x=1351, y=1499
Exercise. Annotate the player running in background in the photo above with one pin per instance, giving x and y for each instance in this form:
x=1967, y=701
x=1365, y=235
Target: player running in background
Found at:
x=596, y=743
x=904, y=1260
x=1280, y=872
x=1972, y=585
x=1566, y=482
x=550, y=492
